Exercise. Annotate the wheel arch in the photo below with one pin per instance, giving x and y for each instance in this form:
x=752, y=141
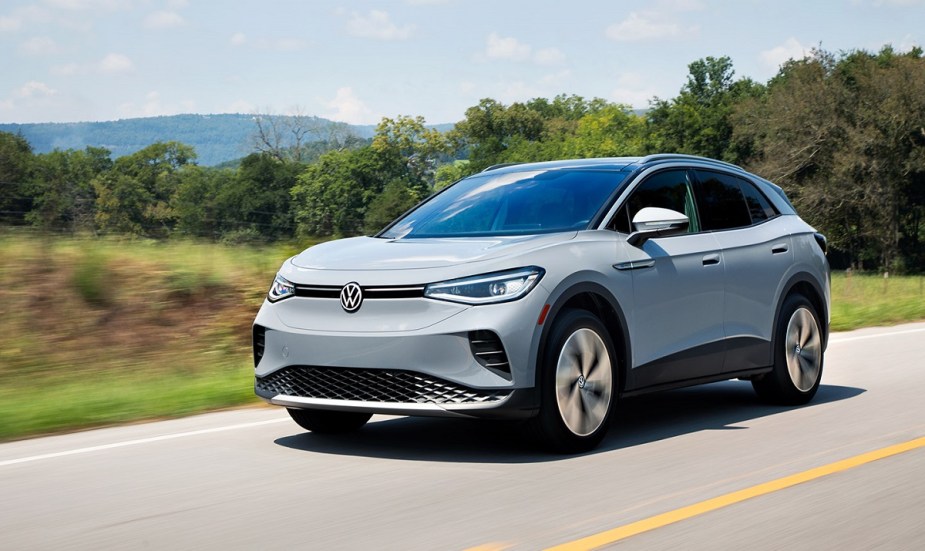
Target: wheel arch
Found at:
x=804, y=284
x=599, y=301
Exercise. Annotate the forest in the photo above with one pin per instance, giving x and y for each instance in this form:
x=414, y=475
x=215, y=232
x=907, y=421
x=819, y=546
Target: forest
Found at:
x=843, y=134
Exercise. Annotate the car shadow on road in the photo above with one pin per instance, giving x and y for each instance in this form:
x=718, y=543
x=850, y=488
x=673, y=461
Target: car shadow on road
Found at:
x=719, y=406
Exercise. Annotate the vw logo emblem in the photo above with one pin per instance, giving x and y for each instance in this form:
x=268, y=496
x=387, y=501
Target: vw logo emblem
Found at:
x=351, y=297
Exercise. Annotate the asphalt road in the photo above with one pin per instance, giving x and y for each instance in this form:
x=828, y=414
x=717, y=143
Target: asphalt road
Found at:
x=250, y=479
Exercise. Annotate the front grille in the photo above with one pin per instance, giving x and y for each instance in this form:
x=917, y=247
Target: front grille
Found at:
x=371, y=385
x=332, y=291
x=259, y=342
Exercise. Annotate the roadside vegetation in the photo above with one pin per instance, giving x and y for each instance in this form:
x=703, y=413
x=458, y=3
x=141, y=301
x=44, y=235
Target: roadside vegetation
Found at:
x=98, y=331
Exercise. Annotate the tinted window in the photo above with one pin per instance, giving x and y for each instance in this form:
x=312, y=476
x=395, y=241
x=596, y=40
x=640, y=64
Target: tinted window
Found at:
x=513, y=203
x=668, y=190
x=722, y=205
x=758, y=205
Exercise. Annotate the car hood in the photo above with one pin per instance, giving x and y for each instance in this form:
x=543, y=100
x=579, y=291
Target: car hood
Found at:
x=370, y=253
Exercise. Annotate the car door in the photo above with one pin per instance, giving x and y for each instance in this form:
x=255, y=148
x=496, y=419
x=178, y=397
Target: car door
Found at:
x=757, y=253
x=676, y=330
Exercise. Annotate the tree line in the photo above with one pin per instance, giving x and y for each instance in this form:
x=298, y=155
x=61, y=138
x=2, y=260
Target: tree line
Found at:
x=843, y=134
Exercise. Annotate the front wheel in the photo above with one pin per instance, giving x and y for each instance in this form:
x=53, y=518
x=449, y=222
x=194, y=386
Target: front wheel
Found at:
x=578, y=381
x=328, y=422
x=797, y=355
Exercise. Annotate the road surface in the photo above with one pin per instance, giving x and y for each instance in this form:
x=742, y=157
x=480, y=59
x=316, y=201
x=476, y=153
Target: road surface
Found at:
x=251, y=479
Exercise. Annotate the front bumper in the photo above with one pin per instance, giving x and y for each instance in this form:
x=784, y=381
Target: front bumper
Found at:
x=380, y=361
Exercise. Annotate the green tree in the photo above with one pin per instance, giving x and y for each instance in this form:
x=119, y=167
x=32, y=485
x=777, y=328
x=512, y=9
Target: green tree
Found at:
x=121, y=203
x=698, y=121
x=155, y=170
x=332, y=195
x=450, y=173
x=258, y=199
x=61, y=189
x=843, y=135
x=16, y=161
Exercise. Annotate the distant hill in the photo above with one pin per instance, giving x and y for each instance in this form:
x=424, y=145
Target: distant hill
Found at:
x=216, y=138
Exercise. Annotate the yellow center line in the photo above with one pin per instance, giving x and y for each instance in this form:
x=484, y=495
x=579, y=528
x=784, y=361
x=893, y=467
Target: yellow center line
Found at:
x=616, y=534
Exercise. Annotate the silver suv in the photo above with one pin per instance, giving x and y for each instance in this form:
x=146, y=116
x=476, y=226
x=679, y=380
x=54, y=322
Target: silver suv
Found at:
x=549, y=291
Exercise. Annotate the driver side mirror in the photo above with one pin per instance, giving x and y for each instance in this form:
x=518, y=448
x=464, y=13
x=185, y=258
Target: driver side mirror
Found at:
x=656, y=222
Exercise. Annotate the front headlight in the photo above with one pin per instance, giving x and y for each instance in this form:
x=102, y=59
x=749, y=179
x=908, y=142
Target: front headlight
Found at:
x=280, y=289
x=487, y=288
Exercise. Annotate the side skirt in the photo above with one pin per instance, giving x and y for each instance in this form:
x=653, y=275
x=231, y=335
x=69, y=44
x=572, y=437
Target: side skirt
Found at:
x=743, y=374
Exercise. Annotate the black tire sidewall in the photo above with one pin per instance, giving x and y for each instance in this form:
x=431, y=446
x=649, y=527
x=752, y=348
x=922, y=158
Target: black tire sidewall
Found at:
x=777, y=386
x=549, y=425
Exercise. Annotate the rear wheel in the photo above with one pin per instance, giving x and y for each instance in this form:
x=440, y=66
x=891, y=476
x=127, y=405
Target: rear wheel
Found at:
x=797, y=355
x=578, y=384
x=328, y=422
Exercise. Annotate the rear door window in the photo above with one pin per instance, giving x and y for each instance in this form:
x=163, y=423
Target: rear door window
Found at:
x=722, y=204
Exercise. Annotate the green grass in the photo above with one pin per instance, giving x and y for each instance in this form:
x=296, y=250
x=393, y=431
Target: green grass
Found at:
x=866, y=300
x=102, y=331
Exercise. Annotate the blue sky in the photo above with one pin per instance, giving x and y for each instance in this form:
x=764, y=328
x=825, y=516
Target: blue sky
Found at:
x=357, y=61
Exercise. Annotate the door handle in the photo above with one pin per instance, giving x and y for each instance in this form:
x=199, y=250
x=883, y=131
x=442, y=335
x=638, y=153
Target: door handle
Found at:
x=711, y=259
x=779, y=248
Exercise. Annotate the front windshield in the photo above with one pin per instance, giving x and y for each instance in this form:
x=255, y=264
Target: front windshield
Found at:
x=513, y=203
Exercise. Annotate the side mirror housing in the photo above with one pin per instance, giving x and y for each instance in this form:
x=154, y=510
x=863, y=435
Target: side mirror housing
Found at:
x=656, y=222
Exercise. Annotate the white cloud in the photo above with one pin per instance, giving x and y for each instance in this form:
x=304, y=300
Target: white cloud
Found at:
x=632, y=90
x=238, y=39
x=35, y=89
x=177, y=4
x=548, y=56
x=347, y=107
x=509, y=48
x=646, y=26
x=152, y=106
x=39, y=45
x=778, y=55
x=426, y=2
x=378, y=25
x=115, y=63
x=500, y=47
x=10, y=23
x=164, y=20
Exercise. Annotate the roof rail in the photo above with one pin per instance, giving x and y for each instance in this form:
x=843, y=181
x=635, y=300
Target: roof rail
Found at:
x=683, y=157
x=500, y=165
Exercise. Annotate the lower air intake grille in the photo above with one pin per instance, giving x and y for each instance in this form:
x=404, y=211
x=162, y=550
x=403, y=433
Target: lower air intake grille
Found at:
x=371, y=385
x=259, y=342
x=487, y=349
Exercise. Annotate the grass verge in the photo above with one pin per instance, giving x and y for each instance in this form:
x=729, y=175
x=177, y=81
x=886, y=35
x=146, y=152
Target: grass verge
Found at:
x=868, y=300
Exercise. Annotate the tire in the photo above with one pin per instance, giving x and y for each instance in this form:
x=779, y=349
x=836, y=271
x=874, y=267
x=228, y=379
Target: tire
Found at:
x=322, y=421
x=798, y=355
x=578, y=384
